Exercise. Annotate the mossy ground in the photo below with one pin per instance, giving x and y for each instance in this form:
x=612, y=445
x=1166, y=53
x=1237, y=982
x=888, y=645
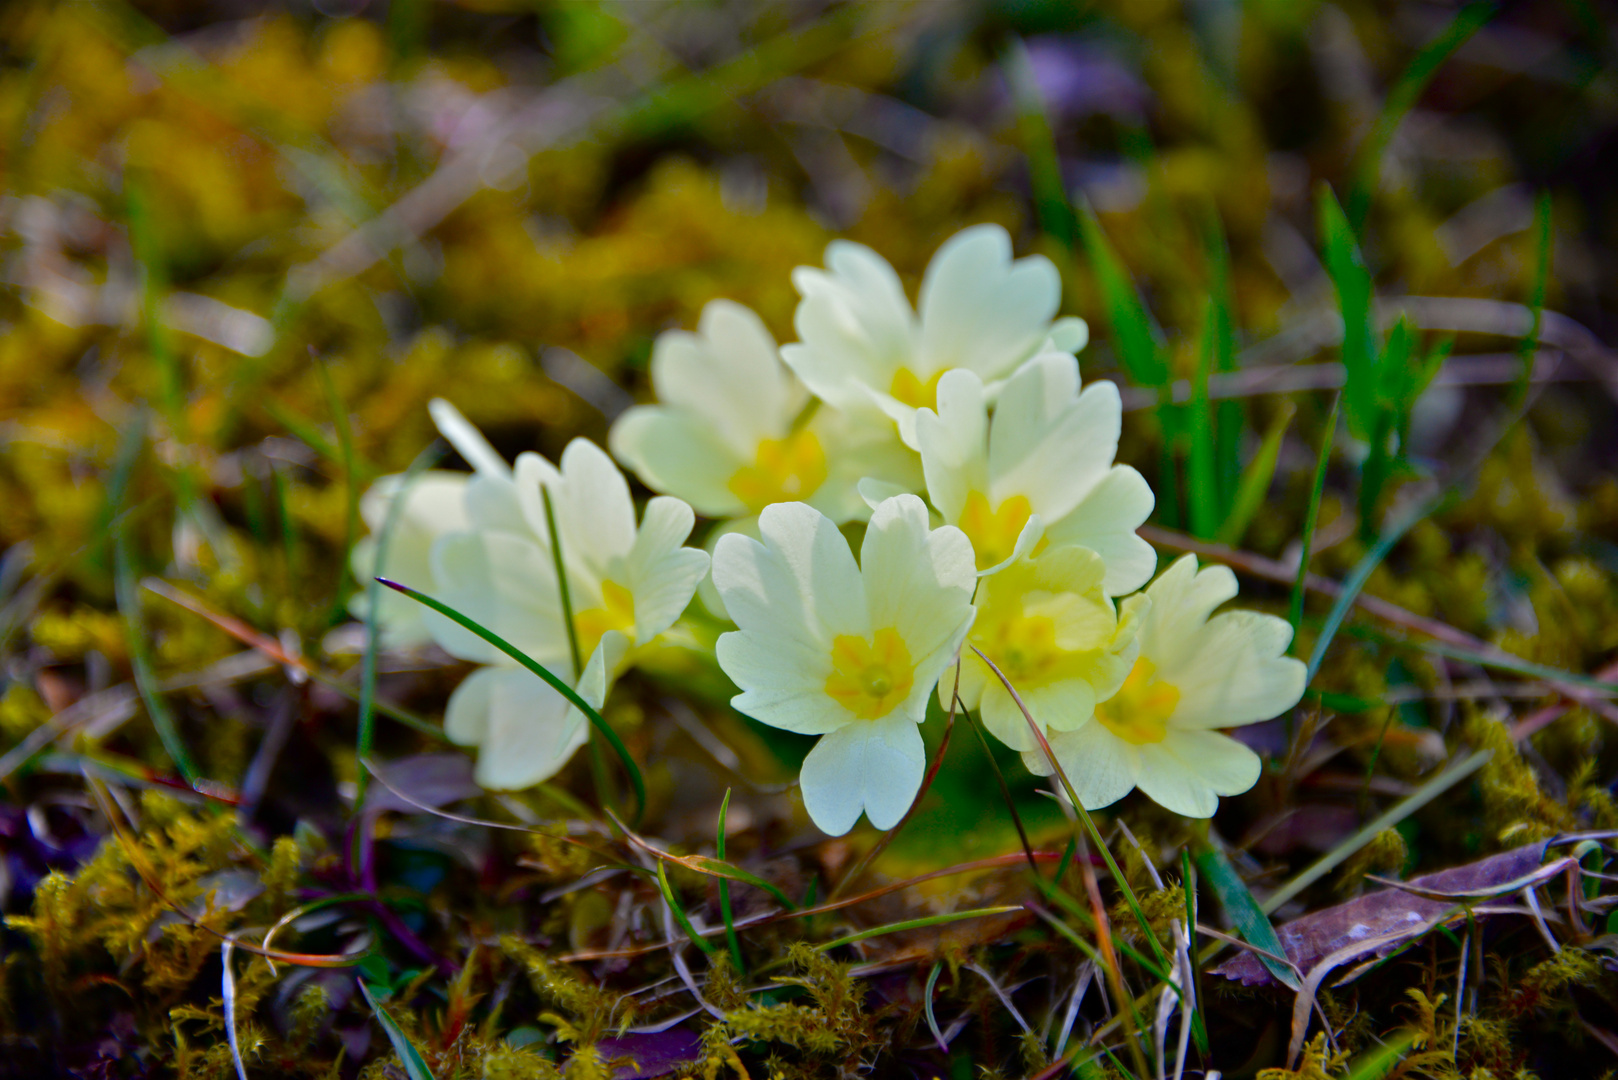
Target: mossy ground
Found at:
x=202, y=366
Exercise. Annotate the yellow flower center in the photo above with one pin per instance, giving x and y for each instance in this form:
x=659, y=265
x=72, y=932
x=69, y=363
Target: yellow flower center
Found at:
x=993, y=532
x=908, y=388
x=870, y=678
x=1139, y=712
x=617, y=612
x=1022, y=646
x=785, y=470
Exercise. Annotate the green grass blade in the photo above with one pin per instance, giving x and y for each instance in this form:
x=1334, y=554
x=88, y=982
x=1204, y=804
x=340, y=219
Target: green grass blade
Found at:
x=1536, y=295
x=1353, y=284
x=1140, y=347
x=1255, y=481
x=351, y=489
x=1432, y=789
x=140, y=658
x=415, y=1066
x=1402, y=98
x=1311, y=516
x=1503, y=661
x=1230, y=418
x=680, y=916
x=1245, y=913
x=919, y=924
x=1039, y=146
x=1202, y=494
x=1188, y=884
x=1362, y=573
x=562, y=587
x=927, y=1005
x=636, y=780
x=724, y=891
x=373, y=598
x=1377, y=1062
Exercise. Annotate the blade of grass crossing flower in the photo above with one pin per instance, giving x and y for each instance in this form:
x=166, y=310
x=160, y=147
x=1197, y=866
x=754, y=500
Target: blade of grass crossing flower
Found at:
x=140, y=658
x=1084, y=816
x=1245, y=913
x=1202, y=494
x=1005, y=793
x=1039, y=146
x=415, y=1066
x=1255, y=480
x=680, y=916
x=636, y=780
x=598, y=767
x=1536, y=295
x=1311, y=515
x=1402, y=98
x=724, y=891
x=919, y=924
x=373, y=600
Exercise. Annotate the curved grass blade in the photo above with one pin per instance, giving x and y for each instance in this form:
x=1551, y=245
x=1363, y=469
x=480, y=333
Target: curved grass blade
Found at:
x=919, y=924
x=1246, y=913
x=1039, y=145
x=1403, y=97
x=140, y=659
x=1311, y=516
x=1536, y=299
x=227, y=1002
x=415, y=1067
x=1362, y=573
x=636, y=780
x=1140, y=345
x=927, y=1005
x=1432, y=789
x=679, y=912
x=724, y=891
x=1255, y=480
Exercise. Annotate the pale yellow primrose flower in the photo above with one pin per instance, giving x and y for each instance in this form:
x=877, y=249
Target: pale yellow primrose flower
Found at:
x=863, y=348
x=434, y=504
x=1042, y=468
x=1194, y=674
x=1048, y=625
x=846, y=652
x=627, y=585
x=722, y=436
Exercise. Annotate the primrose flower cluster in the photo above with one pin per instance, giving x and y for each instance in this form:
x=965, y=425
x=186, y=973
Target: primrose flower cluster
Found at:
x=999, y=568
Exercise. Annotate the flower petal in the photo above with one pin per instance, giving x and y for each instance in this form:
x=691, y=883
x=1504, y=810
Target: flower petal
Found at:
x=854, y=324
x=505, y=583
x=801, y=581
x=1105, y=522
x=783, y=681
x=662, y=574
x=953, y=443
x=679, y=453
x=727, y=376
x=1049, y=442
x=1188, y=771
x=919, y=581
x=980, y=310
x=872, y=766
x=525, y=730
x=1239, y=675
x=1101, y=767
x=593, y=509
